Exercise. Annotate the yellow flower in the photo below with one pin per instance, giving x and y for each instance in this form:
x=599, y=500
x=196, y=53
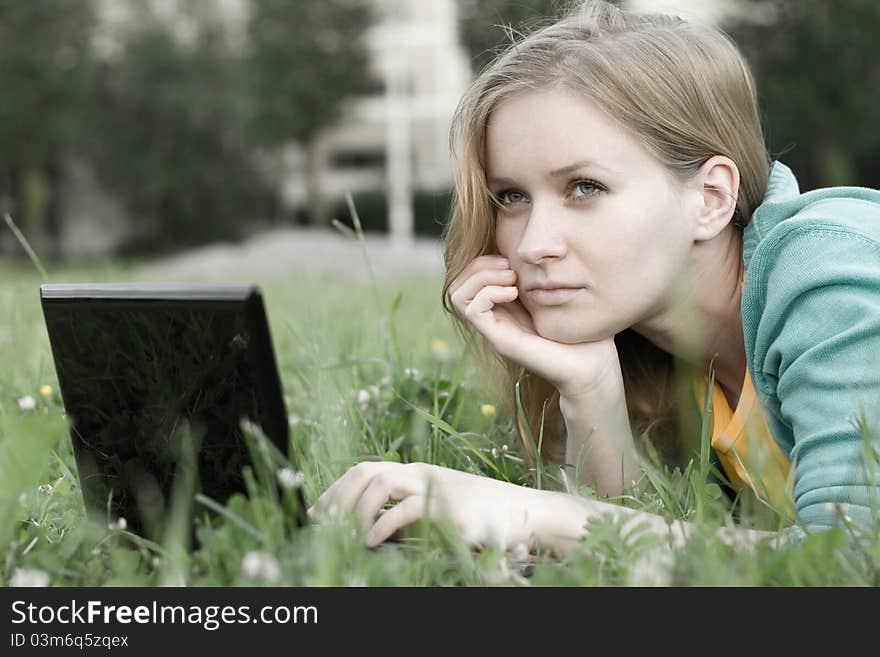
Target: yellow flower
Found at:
x=46, y=390
x=440, y=349
x=488, y=410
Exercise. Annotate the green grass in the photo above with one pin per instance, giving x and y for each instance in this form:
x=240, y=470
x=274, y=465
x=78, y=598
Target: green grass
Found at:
x=335, y=337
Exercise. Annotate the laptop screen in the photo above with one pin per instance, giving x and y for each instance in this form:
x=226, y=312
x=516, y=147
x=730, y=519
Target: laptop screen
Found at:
x=145, y=371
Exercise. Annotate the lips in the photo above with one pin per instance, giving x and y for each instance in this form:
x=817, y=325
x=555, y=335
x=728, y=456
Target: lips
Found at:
x=553, y=296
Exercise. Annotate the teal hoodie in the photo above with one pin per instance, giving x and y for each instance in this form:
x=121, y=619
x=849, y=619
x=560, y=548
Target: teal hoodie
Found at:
x=811, y=322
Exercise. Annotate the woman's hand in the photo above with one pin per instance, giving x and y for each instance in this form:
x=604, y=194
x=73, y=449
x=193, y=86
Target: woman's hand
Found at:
x=491, y=512
x=486, y=294
x=485, y=511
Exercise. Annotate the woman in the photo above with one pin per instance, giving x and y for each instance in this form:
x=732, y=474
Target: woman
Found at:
x=616, y=210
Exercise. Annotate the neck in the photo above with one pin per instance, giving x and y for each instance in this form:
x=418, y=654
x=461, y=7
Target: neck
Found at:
x=702, y=322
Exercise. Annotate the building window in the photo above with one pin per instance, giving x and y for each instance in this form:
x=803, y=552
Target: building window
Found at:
x=357, y=160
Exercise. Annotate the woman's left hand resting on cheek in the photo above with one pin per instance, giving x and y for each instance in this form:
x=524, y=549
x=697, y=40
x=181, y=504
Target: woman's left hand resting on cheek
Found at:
x=485, y=511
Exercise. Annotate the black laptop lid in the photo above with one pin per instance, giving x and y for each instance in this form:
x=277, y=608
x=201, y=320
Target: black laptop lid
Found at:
x=136, y=363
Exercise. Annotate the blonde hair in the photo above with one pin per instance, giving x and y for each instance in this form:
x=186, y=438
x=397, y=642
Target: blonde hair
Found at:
x=686, y=91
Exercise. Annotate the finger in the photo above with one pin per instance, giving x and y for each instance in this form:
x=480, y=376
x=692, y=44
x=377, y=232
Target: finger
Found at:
x=380, y=490
x=345, y=491
x=480, y=273
x=484, y=261
x=512, y=338
x=487, y=298
x=407, y=512
x=480, y=263
x=466, y=293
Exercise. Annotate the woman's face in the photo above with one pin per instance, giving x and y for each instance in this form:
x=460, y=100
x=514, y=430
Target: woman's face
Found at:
x=585, y=208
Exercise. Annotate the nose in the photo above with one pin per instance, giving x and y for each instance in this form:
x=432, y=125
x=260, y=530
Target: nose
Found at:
x=541, y=239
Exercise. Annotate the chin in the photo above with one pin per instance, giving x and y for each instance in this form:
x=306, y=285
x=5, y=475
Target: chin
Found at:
x=566, y=332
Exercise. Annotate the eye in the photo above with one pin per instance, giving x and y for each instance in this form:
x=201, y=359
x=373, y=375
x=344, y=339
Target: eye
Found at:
x=509, y=196
x=584, y=188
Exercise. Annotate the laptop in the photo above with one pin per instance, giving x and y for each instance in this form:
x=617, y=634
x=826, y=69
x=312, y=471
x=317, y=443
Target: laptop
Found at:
x=163, y=384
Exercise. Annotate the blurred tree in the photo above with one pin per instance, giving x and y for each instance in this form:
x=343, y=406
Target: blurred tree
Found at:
x=817, y=65
x=486, y=24
x=304, y=59
x=46, y=73
x=170, y=118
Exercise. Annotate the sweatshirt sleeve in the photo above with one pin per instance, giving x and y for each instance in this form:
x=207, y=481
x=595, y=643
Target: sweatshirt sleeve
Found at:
x=817, y=354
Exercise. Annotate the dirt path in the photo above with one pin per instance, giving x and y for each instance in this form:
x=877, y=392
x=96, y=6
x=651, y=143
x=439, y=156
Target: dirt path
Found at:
x=278, y=253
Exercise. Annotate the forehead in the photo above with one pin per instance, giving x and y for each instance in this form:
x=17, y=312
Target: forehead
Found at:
x=548, y=129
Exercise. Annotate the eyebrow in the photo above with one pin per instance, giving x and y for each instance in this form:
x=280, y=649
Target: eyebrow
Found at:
x=556, y=173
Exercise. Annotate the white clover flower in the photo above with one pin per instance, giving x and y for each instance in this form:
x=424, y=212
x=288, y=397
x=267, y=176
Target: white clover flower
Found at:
x=293, y=420
x=364, y=399
x=118, y=525
x=29, y=577
x=27, y=403
x=290, y=479
x=261, y=566
x=653, y=568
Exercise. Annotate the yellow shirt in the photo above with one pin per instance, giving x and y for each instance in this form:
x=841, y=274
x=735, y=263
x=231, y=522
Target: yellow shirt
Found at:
x=749, y=454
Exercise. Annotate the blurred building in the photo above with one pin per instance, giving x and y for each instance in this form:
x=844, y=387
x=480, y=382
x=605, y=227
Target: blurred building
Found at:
x=396, y=138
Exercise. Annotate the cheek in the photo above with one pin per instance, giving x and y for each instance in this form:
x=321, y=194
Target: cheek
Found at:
x=506, y=238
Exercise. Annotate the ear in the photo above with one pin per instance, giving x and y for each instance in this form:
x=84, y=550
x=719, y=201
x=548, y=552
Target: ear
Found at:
x=717, y=186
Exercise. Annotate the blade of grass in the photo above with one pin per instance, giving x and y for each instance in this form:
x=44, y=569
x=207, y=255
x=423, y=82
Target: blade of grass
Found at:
x=358, y=235
x=230, y=516
x=539, y=463
x=706, y=427
x=26, y=246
